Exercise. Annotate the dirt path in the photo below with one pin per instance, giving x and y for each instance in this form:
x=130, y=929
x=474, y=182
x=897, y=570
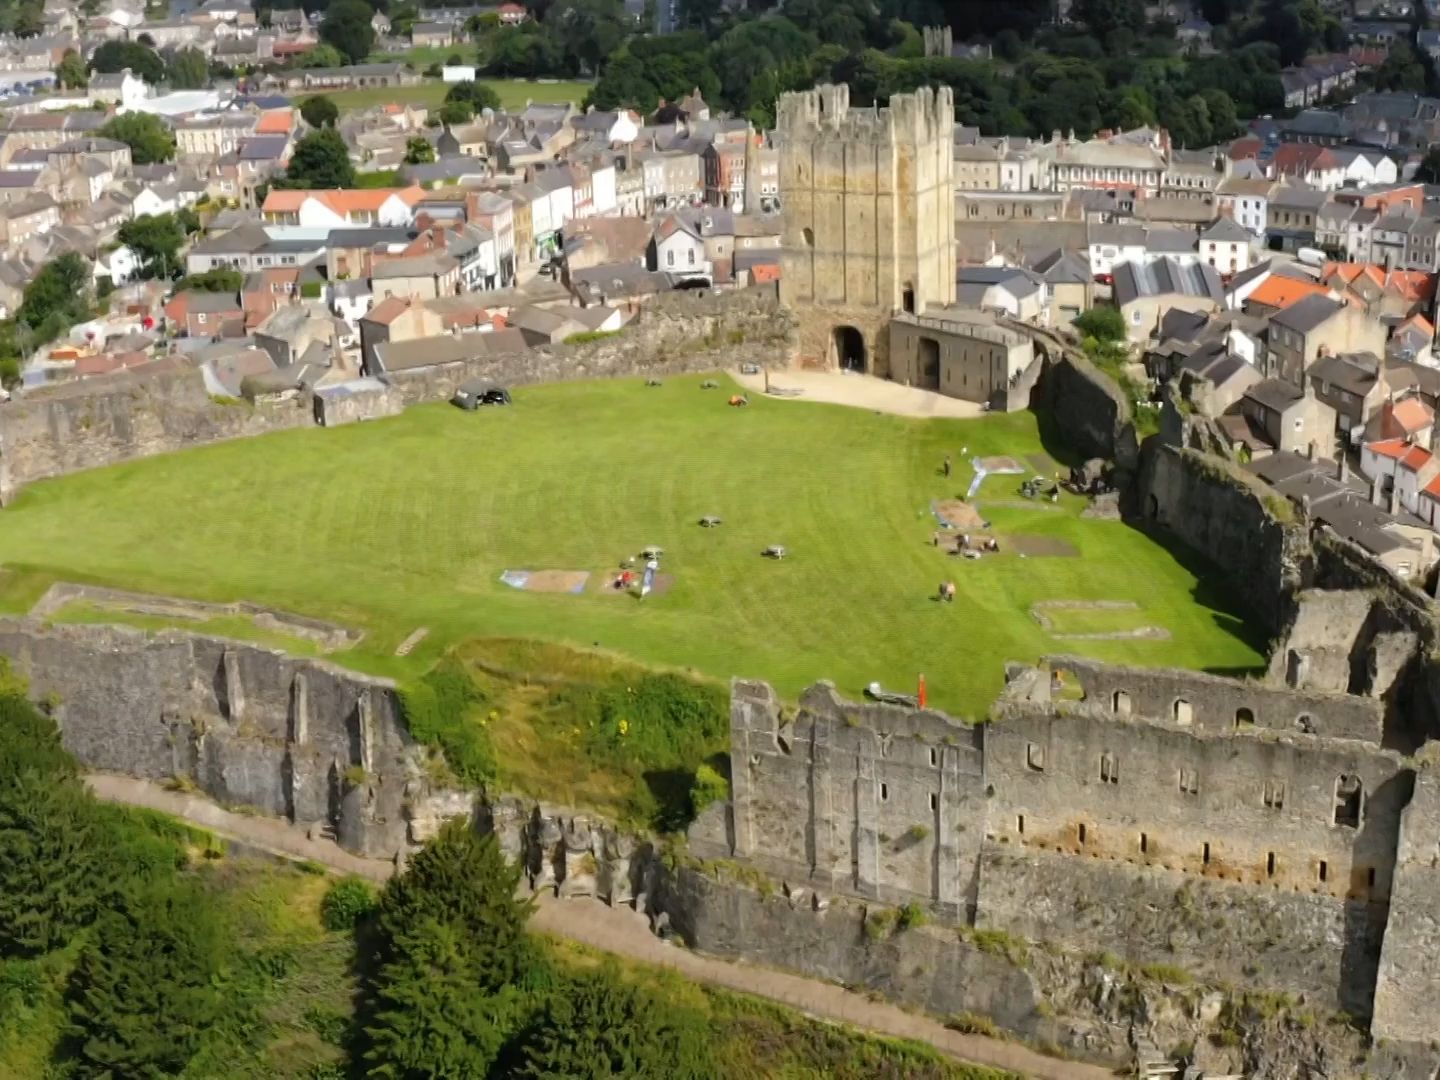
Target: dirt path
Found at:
x=617, y=930
x=864, y=392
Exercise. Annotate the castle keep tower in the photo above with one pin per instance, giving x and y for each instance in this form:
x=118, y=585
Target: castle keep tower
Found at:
x=868, y=197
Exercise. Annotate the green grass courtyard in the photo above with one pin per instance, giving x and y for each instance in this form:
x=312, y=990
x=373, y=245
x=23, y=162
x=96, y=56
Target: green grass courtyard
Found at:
x=408, y=522
x=514, y=93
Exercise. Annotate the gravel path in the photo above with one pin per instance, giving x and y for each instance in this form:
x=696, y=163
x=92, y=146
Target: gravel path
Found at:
x=864, y=392
x=617, y=930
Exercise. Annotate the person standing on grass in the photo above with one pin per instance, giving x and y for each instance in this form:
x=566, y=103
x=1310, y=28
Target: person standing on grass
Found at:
x=946, y=467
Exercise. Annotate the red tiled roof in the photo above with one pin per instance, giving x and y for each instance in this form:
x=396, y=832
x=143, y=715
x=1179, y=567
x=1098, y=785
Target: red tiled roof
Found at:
x=1279, y=292
x=341, y=200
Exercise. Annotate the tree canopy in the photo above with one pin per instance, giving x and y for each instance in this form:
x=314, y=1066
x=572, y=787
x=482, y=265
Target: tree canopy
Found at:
x=150, y=139
x=71, y=71
x=319, y=111
x=347, y=27
x=187, y=69
x=143, y=62
x=321, y=160
x=157, y=239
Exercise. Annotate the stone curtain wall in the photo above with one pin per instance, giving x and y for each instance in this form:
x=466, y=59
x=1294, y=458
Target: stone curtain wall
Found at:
x=1409, y=981
x=1231, y=520
x=1068, y=821
x=87, y=425
x=90, y=424
x=879, y=802
x=675, y=334
x=250, y=726
x=1217, y=706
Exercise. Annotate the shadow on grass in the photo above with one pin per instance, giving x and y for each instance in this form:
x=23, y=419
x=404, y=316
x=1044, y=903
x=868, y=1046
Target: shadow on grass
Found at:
x=1212, y=591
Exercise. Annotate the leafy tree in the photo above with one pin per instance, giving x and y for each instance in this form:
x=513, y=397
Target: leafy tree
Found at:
x=188, y=69
x=322, y=56
x=526, y=50
x=157, y=239
x=477, y=95
x=347, y=27
x=230, y=281
x=462, y=879
x=320, y=160
x=418, y=151
x=148, y=137
x=149, y=985
x=143, y=62
x=1403, y=70
x=1429, y=171
x=71, y=72
x=346, y=903
x=429, y=1017
x=319, y=111
x=455, y=113
x=1224, y=121
x=49, y=839
x=601, y=1025
x=57, y=296
x=1104, y=324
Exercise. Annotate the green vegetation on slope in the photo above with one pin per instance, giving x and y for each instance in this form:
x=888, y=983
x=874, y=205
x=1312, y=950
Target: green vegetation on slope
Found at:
x=408, y=522
x=130, y=945
x=575, y=727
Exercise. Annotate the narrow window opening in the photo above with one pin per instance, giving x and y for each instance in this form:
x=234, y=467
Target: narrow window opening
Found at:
x=1324, y=870
x=1270, y=864
x=1370, y=877
x=934, y=801
x=1020, y=823
x=934, y=757
x=1144, y=844
x=1080, y=832
x=884, y=792
x=1349, y=801
x=1205, y=854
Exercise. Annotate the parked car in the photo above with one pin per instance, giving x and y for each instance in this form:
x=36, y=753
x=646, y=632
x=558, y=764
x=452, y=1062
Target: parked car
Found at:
x=473, y=394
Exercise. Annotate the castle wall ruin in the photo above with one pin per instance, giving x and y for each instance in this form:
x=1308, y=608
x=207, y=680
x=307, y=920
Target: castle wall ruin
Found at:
x=93, y=423
x=1091, y=813
x=291, y=737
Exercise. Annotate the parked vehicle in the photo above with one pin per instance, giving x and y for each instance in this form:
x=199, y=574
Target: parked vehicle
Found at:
x=474, y=394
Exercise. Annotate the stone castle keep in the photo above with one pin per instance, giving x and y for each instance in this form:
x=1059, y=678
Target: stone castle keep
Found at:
x=869, y=218
x=1250, y=834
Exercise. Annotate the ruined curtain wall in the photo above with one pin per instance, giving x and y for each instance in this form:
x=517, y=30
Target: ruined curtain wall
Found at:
x=118, y=418
x=291, y=737
x=90, y=424
x=1230, y=520
x=673, y=335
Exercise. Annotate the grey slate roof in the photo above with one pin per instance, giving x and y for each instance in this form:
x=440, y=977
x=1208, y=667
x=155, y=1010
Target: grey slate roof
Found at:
x=1163, y=277
x=1305, y=315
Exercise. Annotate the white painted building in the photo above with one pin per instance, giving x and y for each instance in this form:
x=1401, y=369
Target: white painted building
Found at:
x=120, y=265
x=1227, y=246
x=603, y=200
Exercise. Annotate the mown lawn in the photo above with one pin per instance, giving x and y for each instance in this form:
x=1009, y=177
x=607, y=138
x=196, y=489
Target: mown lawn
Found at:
x=408, y=522
x=514, y=93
